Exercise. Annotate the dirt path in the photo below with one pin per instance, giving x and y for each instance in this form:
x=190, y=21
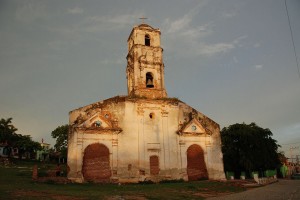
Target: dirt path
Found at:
x=282, y=190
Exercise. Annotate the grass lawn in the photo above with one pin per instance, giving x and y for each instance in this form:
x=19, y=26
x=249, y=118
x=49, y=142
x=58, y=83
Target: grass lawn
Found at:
x=16, y=183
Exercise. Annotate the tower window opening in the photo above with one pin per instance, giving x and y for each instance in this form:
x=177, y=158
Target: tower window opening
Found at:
x=147, y=40
x=151, y=115
x=149, y=80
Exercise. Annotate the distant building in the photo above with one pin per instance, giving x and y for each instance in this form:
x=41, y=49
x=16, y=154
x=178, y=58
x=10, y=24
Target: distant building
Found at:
x=4, y=150
x=43, y=154
x=7, y=151
x=145, y=135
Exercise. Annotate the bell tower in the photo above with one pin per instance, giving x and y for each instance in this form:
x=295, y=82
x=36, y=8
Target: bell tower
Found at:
x=145, y=67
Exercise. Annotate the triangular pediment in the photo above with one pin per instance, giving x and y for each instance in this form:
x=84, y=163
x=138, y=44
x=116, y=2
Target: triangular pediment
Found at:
x=97, y=121
x=193, y=127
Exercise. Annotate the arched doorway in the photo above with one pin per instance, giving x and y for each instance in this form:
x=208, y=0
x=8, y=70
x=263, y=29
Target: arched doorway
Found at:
x=96, y=165
x=196, y=168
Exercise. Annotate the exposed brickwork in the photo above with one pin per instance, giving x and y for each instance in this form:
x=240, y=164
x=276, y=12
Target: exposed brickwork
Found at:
x=154, y=165
x=96, y=163
x=35, y=172
x=196, y=167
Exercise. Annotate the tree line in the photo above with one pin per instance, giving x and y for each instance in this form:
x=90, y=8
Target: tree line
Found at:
x=245, y=147
x=10, y=140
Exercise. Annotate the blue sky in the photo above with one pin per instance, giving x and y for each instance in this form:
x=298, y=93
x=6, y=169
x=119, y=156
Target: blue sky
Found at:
x=232, y=60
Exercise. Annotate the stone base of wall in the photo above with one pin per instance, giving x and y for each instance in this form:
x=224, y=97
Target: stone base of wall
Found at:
x=76, y=180
x=134, y=176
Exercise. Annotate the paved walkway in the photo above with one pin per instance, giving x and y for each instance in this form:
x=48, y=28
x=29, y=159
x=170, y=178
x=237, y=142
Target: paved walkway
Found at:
x=281, y=190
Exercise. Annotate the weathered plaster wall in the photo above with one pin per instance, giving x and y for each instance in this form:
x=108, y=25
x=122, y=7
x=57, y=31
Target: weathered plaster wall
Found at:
x=149, y=127
x=146, y=135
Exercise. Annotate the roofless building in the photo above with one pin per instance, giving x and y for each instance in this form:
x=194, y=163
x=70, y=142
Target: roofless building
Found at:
x=145, y=135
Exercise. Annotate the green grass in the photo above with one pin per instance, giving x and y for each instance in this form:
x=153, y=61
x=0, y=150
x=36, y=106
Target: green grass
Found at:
x=16, y=183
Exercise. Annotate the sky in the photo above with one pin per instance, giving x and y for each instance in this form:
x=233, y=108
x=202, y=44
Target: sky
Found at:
x=232, y=60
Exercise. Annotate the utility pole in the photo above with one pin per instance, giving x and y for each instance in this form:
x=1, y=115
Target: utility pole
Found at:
x=292, y=155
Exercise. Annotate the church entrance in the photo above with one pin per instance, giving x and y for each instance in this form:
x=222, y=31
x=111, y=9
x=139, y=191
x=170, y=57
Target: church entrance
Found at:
x=154, y=165
x=196, y=168
x=96, y=165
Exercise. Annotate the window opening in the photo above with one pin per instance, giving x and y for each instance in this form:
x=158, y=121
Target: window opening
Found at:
x=194, y=127
x=98, y=123
x=147, y=40
x=149, y=80
x=151, y=115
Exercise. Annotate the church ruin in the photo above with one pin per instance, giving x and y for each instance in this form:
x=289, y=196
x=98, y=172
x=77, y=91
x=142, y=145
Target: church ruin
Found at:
x=145, y=135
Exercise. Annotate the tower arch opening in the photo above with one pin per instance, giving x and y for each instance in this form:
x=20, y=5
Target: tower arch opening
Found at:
x=147, y=40
x=149, y=80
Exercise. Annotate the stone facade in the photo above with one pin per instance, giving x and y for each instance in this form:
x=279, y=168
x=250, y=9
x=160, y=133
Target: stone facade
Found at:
x=145, y=135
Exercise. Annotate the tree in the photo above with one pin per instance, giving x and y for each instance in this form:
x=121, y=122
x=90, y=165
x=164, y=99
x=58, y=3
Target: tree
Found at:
x=248, y=148
x=61, y=136
x=7, y=131
x=8, y=135
x=24, y=144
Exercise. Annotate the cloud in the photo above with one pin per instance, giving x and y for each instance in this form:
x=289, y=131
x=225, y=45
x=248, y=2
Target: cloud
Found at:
x=29, y=11
x=75, y=32
x=256, y=45
x=238, y=40
x=183, y=23
x=200, y=31
x=213, y=49
x=75, y=10
x=229, y=14
x=179, y=24
x=235, y=60
x=258, y=67
x=186, y=32
x=109, y=22
x=115, y=19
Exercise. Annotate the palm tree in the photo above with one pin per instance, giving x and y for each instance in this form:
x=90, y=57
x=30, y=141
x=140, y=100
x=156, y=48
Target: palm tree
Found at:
x=7, y=131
